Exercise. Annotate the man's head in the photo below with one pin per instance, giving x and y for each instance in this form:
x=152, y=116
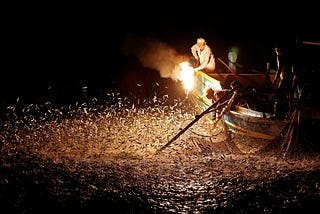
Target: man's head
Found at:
x=201, y=43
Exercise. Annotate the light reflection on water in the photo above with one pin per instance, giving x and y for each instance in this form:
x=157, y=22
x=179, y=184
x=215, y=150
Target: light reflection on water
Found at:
x=110, y=150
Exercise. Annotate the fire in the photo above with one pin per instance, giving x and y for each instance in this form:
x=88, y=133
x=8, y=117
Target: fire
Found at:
x=186, y=75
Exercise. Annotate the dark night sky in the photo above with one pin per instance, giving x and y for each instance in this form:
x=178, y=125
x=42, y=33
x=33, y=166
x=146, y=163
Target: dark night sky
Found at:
x=81, y=34
x=80, y=43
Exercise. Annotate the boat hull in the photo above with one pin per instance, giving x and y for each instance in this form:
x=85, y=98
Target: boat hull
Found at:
x=243, y=121
x=240, y=120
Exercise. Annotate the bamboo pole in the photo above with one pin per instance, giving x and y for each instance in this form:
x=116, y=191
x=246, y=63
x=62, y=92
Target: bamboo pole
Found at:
x=198, y=118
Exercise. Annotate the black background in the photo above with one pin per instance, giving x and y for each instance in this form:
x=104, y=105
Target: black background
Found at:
x=73, y=45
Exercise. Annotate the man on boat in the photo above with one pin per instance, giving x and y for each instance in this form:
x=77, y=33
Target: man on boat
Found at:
x=283, y=79
x=203, y=56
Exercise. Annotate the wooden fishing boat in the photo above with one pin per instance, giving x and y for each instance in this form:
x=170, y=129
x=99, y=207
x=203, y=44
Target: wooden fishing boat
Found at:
x=247, y=120
x=242, y=105
x=251, y=115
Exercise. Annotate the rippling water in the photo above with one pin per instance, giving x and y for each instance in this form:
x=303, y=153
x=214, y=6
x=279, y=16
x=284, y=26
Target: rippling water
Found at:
x=104, y=154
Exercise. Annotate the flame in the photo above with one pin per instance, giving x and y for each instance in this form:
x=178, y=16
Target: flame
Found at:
x=186, y=75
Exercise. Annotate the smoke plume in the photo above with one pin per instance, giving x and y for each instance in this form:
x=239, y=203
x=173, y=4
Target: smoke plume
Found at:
x=155, y=54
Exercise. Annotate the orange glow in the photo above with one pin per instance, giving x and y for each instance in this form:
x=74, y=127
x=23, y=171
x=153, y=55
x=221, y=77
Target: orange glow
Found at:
x=186, y=75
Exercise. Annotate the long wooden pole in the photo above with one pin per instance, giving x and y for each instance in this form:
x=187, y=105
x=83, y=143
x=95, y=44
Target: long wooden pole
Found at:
x=198, y=118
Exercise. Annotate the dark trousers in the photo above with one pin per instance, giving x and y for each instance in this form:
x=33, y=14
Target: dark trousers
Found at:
x=282, y=99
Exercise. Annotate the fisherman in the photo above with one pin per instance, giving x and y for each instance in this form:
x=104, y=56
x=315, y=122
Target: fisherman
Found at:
x=284, y=79
x=204, y=59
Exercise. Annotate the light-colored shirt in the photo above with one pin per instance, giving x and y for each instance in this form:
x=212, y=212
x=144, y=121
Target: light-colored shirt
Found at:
x=205, y=57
